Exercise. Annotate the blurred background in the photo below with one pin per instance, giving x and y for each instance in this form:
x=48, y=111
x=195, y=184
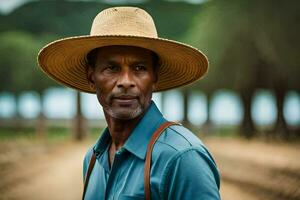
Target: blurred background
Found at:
x=246, y=109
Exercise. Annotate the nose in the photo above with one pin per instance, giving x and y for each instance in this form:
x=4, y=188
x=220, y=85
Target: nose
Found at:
x=125, y=80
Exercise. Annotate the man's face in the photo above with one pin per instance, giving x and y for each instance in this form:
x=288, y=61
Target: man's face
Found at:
x=124, y=79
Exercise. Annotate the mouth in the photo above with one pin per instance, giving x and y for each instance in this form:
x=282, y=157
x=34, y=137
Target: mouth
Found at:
x=125, y=100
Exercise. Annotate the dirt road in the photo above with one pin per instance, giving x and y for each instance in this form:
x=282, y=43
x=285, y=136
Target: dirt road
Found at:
x=256, y=169
x=54, y=174
x=250, y=171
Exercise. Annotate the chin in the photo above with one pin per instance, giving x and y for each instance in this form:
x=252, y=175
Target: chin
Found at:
x=126, y=114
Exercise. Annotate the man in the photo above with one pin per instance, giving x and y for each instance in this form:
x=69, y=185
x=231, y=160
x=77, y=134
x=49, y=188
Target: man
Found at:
x=139, y=155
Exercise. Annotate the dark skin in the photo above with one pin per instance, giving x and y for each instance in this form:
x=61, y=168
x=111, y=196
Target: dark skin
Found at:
x=124, y=79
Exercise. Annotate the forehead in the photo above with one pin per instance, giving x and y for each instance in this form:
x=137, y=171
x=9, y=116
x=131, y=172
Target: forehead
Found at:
x=121, y=52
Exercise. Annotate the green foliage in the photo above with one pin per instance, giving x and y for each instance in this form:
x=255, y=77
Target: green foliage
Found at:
x=226, y=131
x=277, y=39
x=18, y=52
x=66, y=18
x=54, y=134
x=12, y=134
x=18, y=66
x=249, y=43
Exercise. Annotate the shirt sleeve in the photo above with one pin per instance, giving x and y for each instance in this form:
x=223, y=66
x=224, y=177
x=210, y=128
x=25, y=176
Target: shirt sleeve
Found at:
x=191, y=174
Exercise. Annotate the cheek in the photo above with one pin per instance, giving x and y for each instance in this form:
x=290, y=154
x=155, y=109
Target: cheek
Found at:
x=150, y=81
x=104, y=86
x=146, y=86
x=100, y=96
x=104, y=83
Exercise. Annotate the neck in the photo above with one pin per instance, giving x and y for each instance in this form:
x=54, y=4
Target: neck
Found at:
x=120, y=129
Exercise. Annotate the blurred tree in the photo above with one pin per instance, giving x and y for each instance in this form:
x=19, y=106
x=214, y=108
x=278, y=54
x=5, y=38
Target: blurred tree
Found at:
x=185, y=94
x=250, y=44
x=218, y=31
x=17, y=57
x=69, y=18
x=277, y=39
x=18, y=70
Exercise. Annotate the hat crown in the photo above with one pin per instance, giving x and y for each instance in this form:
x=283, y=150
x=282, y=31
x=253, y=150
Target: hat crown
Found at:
x=130, y=21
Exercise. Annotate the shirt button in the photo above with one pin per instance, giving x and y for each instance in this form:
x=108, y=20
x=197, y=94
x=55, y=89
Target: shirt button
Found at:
x=120, y=151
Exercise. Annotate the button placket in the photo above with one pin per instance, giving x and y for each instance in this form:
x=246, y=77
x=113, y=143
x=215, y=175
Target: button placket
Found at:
x=114, y=174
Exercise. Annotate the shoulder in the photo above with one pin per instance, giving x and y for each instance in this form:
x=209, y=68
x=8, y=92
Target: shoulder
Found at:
x=179, y=138
x=179, y=147
x=183, y=141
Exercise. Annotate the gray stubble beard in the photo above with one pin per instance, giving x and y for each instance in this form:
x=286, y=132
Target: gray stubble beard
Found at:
x=124, y=116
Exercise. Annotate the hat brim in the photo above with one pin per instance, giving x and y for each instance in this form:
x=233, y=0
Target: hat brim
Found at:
x=65, y=60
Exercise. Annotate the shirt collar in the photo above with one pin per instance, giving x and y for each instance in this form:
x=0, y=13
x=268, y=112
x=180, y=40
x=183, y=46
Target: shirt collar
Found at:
x=138, y=140
x=102, y=142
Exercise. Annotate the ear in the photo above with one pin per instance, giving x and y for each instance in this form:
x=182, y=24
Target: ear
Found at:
x=154, y=85
x=91, y=78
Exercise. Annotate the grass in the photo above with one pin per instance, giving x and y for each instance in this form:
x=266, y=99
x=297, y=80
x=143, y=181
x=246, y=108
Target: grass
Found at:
x=54, y=134
x=219, y=131
x=19, y=143
x=226, y=131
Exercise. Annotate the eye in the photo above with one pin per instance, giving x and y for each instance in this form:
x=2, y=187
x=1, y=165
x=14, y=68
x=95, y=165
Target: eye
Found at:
x=112, y=68
x=140, y=67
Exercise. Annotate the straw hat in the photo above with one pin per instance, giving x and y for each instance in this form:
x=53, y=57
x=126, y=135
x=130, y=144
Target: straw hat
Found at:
x=65, y=60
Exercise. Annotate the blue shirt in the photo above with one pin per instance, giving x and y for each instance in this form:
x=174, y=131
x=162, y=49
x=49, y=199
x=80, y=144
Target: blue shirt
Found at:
x=182, y=168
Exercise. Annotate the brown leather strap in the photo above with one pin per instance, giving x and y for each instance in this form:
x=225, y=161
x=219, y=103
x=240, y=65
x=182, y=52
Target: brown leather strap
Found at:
x=90, y=169
x=147, y=168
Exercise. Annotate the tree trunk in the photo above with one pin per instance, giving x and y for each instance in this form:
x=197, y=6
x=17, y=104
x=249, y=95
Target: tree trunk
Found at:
x=185, y=120
x=207, y=126
x=297, y=131
x=40, y=126
x=18, y=121
x=247, y=128
x=281, y=128
x=79, y=126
